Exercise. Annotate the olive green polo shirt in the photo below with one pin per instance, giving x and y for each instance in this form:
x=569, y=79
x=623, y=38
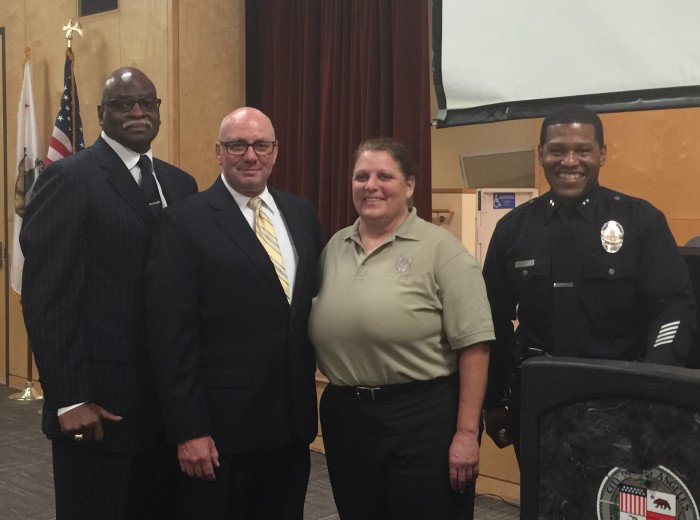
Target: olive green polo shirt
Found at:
x=401, y=313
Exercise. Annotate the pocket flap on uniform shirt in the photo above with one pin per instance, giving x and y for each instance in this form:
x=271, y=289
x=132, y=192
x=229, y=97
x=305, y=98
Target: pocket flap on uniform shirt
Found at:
x=526, y=268
x=609, y=266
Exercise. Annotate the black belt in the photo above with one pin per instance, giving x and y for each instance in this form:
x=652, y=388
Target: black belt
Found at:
x=373, y=394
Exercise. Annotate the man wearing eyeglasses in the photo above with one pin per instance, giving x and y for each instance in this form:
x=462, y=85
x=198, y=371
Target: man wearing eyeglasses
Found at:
x=85, y=238
x=230, y=278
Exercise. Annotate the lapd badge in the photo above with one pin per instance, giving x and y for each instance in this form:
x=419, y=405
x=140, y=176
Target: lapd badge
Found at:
x=656, y=493
x=611, y=236
x=403, y=263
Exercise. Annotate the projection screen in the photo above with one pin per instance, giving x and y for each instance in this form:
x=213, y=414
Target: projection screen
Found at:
x=495, y=60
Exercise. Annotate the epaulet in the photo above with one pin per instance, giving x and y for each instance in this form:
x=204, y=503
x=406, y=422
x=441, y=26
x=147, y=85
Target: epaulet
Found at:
x=616, y=197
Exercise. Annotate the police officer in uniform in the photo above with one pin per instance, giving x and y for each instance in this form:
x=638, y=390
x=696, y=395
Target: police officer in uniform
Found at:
x=591, y=272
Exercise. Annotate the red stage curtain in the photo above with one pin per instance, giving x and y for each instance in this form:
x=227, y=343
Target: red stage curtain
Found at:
x=331, y=73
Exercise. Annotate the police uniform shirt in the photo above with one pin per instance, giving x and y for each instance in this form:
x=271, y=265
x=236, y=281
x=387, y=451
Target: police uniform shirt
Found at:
x=600, y=279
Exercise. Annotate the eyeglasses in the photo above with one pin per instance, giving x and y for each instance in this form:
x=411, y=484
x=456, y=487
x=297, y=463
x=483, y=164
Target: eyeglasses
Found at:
x=241, y=147
x=126, y=104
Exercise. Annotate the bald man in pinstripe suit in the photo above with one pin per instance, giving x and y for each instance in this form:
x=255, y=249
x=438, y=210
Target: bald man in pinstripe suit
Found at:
x=85, y=237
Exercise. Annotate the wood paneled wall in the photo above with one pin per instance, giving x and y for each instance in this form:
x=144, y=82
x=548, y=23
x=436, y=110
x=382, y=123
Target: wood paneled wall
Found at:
x=193, y=51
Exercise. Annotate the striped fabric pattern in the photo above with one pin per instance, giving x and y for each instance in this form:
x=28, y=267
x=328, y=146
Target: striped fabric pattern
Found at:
x=265, y=232
x=667, y=333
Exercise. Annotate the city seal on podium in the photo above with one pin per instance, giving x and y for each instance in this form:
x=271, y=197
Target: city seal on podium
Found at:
x=655, y=494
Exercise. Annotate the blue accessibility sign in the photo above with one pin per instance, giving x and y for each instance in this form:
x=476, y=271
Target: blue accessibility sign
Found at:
x=503, y=200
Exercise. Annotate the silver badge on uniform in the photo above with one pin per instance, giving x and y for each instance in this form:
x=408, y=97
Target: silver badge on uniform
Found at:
x=403, y=263
x=611, y=236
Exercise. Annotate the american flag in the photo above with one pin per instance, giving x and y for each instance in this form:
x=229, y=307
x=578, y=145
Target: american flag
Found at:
x=633, y=500
x=67, y=134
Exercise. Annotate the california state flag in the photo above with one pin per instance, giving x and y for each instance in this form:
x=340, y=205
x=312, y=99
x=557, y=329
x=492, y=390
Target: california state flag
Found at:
x=28, y=167
x=661, y=506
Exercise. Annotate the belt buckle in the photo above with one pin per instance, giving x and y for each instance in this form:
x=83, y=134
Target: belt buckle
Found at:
x=369, y=389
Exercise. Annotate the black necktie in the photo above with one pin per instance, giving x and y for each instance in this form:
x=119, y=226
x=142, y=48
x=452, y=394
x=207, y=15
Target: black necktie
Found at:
x=149, y=186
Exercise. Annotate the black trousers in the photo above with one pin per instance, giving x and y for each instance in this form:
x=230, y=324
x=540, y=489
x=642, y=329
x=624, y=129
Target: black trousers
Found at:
x=93, y=484
x=263, y=485
x=388, y=460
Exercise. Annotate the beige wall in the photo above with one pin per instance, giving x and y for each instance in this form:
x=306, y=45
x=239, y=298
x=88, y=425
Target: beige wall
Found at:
x=449, y=143
x=193, y=51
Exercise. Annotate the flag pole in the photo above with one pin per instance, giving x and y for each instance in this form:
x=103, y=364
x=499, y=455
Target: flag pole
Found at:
x=30, y=393
x=72, y=26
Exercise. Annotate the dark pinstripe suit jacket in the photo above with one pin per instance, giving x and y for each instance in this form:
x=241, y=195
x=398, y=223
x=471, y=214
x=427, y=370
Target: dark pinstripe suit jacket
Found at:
x=232, y=358
x=85, y=238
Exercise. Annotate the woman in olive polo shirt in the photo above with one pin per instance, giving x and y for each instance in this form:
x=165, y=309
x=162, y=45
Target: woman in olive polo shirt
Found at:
x=401, y=327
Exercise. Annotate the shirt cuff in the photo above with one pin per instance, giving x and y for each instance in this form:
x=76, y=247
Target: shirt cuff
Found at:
x=65, y=409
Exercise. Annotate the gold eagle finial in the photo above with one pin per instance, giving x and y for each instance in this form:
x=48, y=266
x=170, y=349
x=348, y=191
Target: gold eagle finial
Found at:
x=72, y=26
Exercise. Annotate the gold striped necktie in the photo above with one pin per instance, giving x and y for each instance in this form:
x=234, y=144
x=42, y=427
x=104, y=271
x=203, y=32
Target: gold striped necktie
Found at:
x=265, y=232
